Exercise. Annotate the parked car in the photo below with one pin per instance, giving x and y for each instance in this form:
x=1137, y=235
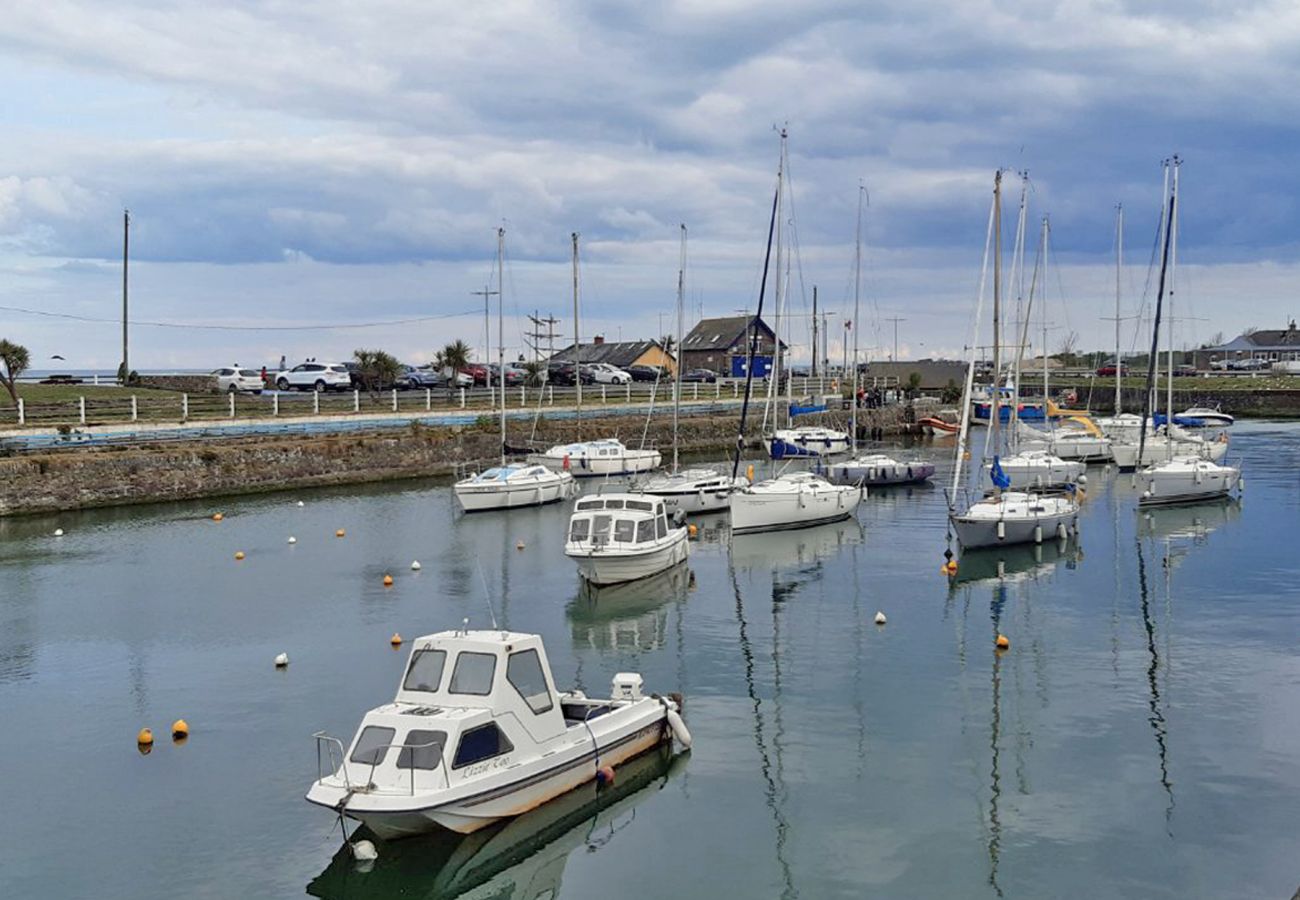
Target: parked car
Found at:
x=513, y=376
x=646, y=373
x=1218, y=365
x=354, y=372
x=700, y=375
x=476, y=371
x=1186, y=369
x=1110, y=370
x=233, y=380
x=563, y=374
x=1250, y=364
x=604, y=373
x=315, y=376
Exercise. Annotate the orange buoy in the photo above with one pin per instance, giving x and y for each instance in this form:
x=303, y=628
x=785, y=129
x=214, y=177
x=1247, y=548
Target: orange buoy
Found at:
x=180, y=730
x=144, y=738
x=388, y=581
x=1003, y=642
x=395, y=640
x=605, y=775
x=217, y=517
x=239, y=554
x=340, y=533
x=691, y=530
x=749, y=473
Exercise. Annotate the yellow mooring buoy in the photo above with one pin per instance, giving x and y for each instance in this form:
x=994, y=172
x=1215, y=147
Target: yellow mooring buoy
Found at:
x=144, y=738
x=239, y=554
x=388, y=581
x=217, y=517
x=1003, y=642
x=180, y=730
x=340, y=533
x=395, y=640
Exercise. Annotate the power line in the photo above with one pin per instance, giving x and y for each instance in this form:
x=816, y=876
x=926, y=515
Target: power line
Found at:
x=199, y=327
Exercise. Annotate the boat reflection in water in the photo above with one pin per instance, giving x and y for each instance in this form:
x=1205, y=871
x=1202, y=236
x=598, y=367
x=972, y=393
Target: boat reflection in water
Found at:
x=1016, y=562
x=628, y=616
x=807, y=546
x=1193, y=522
x=520, y=859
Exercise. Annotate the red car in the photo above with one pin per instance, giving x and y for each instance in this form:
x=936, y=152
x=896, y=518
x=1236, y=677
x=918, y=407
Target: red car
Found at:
x=478, y=372
x=1110, y=370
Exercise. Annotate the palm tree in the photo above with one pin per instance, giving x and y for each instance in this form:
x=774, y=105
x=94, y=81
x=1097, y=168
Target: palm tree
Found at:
x=16, y=359
x=536, y=372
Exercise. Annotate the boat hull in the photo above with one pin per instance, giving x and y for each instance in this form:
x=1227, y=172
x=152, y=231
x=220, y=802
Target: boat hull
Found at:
x=604, y=566
x=1186, y=485
x=1016, y=519
x=792, y=445
x=751, y=512
x=714, y=495
x=879, y=475
x=1157, y=450
x=485, y=497
x=630, y=462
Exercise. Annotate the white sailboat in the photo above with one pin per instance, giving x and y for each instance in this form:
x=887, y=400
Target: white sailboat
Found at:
x=793, y=500
x=1180, y=478
x=622, y=537
x=871, y=469
x=1003, y=516
x=604, y=457
x=510, y=484
x=695, y=490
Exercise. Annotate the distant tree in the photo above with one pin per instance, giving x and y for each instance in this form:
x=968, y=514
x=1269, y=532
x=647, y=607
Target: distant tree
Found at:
x=1249, y=330
x=667, y=342
x=1069, y=344
x=951, y=392
x=1216, y=340
x=456, y=356
x=377, y=369
x=16, y=359
x=536, y=372
x=913, y=384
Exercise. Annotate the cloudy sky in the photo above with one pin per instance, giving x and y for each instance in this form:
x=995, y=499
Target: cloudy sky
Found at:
x=333, y=163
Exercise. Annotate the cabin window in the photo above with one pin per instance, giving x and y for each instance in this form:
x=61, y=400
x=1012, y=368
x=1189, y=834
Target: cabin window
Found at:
x=372, y=746
x=473, y=673
x=613, y=504
x=415, y=756
x=624, y=531
x=425, y=673
x=524, y=672
x=591, y=504
x=639, y=504
x=645, y=530
x=600, y=528
x=478, y=744
x=661, y=526
x=579, y=529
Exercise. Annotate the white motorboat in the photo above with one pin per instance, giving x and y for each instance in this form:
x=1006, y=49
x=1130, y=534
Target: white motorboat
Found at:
x=792, y=500
x=602, y=457
x=622, y=537
x=807, y=440
x=1016, y=517
x=878, y=470
x=1157, y=449
x=1038, y=469
x=512, y=485
x=694, y=491
x=1185, y=479
x=477, y=733
x=1203, y=417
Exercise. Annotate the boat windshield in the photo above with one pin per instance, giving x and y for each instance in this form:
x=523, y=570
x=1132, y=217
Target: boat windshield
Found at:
x=425, y=673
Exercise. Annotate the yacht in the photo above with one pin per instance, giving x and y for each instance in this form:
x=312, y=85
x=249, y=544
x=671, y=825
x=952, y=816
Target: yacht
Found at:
x=807, y=440
x=602, y=457
x=1074, y=438
x=879, y=470
x=1185, y=479
x=1016, y=517
x=1038, y=469
x=693, y=491
x=513, y=484
x=622, y=537
x=792, y=500
x=477, y=733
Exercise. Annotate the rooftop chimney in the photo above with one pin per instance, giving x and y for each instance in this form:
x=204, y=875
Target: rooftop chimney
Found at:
x=598, y=339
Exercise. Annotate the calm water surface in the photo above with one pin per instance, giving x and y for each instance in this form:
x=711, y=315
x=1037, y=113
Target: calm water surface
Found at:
x=1140, y=739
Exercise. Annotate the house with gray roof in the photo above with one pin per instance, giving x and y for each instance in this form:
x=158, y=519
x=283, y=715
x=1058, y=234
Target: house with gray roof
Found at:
x=1268, y=345
x=722, y=346
x=619, y=353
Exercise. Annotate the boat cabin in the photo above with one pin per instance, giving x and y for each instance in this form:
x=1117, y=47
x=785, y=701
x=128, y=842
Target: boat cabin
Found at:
x=466, y=702
x=505, y=473
x=618, y=519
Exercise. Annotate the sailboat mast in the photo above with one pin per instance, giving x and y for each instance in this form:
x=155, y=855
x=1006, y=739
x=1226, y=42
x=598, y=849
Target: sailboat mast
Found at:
x=857, y=311
x=994, y=407
x=1022, y=314
x=774, y=385
x=681, y=323
x=1043, y=304
x=1119, y=268
x=501, y=333
x=577, y=341
x=1169, y=332
x=1167, y=222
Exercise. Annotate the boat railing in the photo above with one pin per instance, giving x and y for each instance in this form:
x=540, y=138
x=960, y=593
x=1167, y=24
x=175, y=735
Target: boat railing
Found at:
x=331, y=742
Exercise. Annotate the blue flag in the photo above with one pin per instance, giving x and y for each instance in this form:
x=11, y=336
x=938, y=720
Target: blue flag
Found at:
x=1000, y=479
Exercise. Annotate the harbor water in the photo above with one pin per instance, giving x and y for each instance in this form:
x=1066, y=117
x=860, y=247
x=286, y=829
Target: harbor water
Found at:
x=1140, y=738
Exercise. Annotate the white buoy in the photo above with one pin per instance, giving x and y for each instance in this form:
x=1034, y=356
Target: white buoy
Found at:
x=300, y=503
x=282, y=660
x=1083, y=479
x=58, y=532
x=364, y=851
x=880, y=618
x=292, y=539
x=415, y=566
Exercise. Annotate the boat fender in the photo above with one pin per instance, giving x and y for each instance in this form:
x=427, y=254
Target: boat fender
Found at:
x=364, y=851
x=909, y=473
x=605, y=775
x=566, y=462
x=828, y=443
x=676, y=725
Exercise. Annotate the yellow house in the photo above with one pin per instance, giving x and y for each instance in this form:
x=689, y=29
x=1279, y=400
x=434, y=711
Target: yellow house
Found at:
x=621, y=354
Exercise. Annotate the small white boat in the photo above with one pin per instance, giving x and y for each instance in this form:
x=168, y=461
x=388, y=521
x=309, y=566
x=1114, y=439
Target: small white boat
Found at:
x=477, y=733
x=514, y=484
x=793, y=500
x=1070, y=439
x=694, y=491
x=807, y=440
x=603, y=457
x=622, y=537
x=1185, y=479
x=1158, y=449
x=1016, y=517
x=1203, y=417
x=878, y=470
x=1038, y=469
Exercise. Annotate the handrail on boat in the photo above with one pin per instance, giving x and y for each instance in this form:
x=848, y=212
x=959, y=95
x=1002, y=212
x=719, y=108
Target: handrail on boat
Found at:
x=332, y=742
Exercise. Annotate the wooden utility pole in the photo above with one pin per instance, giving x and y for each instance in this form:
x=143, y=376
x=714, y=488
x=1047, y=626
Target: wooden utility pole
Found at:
x=814, y=340
x=126, y=242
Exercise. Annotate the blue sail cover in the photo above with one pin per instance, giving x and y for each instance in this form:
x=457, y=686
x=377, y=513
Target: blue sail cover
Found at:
x=804, y=410
x=1000, y=479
